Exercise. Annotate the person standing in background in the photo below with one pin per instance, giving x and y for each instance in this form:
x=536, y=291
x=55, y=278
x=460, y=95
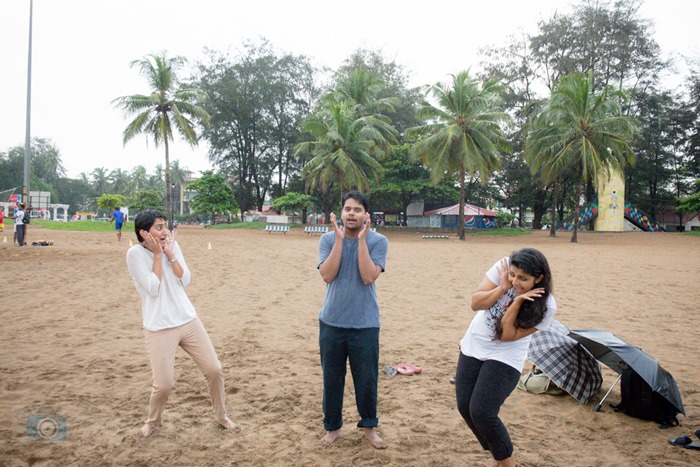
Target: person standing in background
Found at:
x=118, y=218
x=20, y=227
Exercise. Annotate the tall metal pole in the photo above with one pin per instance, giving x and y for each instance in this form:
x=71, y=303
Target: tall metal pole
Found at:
x=27, y=140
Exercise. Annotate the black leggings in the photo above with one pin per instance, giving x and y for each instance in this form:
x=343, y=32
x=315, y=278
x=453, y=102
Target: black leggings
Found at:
x=482, y=387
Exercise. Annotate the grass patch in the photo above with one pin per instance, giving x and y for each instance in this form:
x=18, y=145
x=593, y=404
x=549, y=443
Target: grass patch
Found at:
x=692, y=233
x=81, y=226
x=99, y=226
x=508, y=232
x=239, y=225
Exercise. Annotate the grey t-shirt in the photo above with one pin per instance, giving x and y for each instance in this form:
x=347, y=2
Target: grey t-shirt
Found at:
x=349, y=303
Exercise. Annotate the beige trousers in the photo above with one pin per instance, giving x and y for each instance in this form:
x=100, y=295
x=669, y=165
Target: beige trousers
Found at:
x=194, y=340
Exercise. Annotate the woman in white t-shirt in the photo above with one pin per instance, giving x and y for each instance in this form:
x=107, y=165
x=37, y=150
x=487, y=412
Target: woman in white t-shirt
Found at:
x=512, y=302
x=170, y=321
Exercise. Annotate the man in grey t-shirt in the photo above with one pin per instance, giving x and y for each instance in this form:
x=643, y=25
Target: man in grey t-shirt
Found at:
x=350, y=259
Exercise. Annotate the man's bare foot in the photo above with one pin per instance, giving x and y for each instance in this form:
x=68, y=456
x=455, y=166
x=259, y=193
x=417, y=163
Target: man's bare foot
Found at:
x=374, y=438
x=330, y=437
x=146, y=430
x=230, y=425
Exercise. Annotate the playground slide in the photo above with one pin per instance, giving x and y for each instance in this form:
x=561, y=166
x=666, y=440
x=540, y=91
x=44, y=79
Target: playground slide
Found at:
x=633, y=214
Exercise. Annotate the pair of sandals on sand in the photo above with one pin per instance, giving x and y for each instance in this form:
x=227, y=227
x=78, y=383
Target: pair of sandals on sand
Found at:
x=406, y=369
x=685, y=441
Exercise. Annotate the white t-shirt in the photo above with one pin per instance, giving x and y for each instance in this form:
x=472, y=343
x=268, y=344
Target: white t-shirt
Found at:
x=20, y=216
x=478, y=341
x=164, y=303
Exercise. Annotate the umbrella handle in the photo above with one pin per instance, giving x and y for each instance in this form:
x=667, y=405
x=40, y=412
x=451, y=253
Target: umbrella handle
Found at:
x=600, y=404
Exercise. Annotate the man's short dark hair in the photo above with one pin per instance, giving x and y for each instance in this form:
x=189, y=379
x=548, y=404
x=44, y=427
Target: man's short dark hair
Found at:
x=145, y=220
x=357, y=196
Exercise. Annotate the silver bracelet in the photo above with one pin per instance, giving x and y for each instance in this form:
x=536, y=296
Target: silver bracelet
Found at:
x=171, y=261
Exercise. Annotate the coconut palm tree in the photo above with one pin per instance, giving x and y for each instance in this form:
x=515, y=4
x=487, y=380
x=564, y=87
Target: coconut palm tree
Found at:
x=46, y=160
x=167, y=108
x=139, y=178
x=345, y=148
x=463, y=135
x=159, y=173
x=100, y=180
x=363, y=88
x=120, y=181
x=580, y=130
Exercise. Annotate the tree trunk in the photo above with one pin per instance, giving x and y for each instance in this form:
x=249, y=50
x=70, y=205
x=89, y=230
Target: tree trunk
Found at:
x=552, y=226
x=577, y=211
x=168, y=190
x=460, y=219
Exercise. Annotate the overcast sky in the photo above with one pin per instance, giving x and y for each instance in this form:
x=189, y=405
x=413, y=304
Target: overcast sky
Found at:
x=82, y=50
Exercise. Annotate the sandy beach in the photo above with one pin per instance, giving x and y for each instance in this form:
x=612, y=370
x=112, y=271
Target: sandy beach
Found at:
x=72, y=348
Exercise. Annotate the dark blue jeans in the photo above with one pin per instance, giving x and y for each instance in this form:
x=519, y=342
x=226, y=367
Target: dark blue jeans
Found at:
x=361, y=347
x=21, y=230
x=482, y=388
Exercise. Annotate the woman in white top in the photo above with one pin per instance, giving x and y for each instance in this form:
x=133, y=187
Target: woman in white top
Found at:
x=169, y=319
x=512, y=302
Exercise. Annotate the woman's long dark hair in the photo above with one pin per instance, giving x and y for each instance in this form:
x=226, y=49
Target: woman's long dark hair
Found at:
x=531, y=313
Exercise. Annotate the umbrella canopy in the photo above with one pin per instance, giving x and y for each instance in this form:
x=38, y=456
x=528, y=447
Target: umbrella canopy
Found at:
x=618, y=355
x=565, y=361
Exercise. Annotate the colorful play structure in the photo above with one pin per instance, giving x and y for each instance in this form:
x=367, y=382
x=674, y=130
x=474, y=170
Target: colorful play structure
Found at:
x=609, y=210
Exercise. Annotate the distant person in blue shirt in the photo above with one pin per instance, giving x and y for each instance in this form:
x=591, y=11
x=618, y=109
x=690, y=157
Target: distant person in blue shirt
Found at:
x=118, y=218
x=351, y=257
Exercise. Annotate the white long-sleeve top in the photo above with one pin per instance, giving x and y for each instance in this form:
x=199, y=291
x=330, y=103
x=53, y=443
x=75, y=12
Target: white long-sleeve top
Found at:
x=164, y=303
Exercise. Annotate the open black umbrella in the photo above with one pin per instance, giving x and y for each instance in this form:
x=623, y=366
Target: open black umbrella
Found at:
x=565, y=361
x=619, y=355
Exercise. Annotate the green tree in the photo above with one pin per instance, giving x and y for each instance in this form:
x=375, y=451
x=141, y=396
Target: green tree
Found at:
x=157, y=180
x=504, y=218
x=345, y=148
x=661, y=174
x=214, y=197
x=146, y=199
x=168, y=108
x=12, y=169
x=464, y=134
x=693, y=124
x=120, y=181
x=406, y=180
x=109, y=202
x=395, y=86
x=293, y=202
x=46, y=165
x=605, y=38
x=364, y=89
x=46, y=160
x=78, y=194
x=257, y=101
x=581, y=130
x=100, y=180
x=608, y=38
x=690, y=203
x=139, y=178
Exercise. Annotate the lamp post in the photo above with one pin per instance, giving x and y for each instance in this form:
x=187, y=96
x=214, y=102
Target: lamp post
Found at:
x=27, y=137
